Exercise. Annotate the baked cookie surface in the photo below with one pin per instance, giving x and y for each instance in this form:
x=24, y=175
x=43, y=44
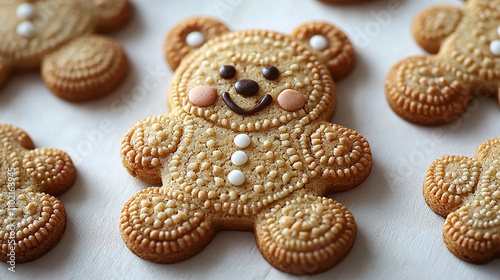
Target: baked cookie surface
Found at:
x=465, y=43
x=59, y=37
x=246, y=146
x=466, y=191
x=32, y=220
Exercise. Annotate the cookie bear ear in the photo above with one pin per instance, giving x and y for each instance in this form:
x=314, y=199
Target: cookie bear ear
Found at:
x=449, y=181
x=434, y=25
x=489, y=151
x=329, y=44
x=111, y=14
x=190, y=35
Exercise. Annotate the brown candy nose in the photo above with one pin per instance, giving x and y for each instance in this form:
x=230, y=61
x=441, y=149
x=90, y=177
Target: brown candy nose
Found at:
x=247, y=87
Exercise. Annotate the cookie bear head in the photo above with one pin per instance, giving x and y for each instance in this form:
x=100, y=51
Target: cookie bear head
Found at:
x=436, y=89
x=266, y=74
x=467, y=192
x=56, y=35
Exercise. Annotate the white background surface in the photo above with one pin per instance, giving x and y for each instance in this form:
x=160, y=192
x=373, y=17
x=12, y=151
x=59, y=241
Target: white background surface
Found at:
x=399, y=237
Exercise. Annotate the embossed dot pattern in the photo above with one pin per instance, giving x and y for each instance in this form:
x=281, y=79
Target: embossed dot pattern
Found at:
x=466, y=191
x=436, y=89
x=30, y=177
x=264, y=172
x=33, y=38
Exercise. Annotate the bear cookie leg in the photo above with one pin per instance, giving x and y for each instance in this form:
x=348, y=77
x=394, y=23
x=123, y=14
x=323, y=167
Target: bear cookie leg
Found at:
x=311, y=233
x=163, y=229
x=85, y=69
x=39, y=223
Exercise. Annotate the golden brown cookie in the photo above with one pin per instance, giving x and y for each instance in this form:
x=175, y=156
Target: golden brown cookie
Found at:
x=175, y=46
x=247, y=146
x=57, y=36
x=32, y=220
x=337, y=53
x=436, y=89
x=466, y=191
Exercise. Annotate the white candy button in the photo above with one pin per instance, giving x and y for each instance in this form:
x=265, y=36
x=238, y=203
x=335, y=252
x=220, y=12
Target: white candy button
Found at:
x=318, y=42
x=25, y=11
x=239, y=158
x=495, y=47
x=236, y=177
x=242, y=140
x=26, y=29
x=195, y=39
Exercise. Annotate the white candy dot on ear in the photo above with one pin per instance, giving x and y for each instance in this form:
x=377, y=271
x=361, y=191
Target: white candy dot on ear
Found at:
x=495, y=47
x=195, y=39
x=236, y=177
x=318, y=42
x=242, y=140
x=25, y=11
x=26, y=29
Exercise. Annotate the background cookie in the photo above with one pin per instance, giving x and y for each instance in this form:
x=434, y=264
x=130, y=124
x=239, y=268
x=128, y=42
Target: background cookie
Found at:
x=436, y=89
x=466, y=191
x=247, y=146
x=31, y=220
x=57, y=36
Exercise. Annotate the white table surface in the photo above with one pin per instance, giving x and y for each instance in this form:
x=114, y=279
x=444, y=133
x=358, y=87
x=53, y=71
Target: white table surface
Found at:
x=399, y=237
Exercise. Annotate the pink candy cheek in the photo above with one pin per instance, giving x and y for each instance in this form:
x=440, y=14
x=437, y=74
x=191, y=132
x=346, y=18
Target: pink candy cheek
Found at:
x=203, y=96
x=291, y=100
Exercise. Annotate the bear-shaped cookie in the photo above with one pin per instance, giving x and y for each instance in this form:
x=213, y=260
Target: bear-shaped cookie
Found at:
x=436, y=89
x=247, y=146
x=32, y=220
x=466, y=191
x=58, y=37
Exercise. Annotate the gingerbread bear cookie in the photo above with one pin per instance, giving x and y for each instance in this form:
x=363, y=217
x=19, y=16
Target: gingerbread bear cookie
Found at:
x=432, y=90
x=247, y=146
x=58, y=37
x=466, y=191
x=32, y=220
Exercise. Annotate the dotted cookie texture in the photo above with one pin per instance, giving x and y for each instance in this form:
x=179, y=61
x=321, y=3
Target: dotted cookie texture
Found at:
x=246, y=146
x=58, y=37
x=436, y=89
x=32, y=220
x=466, y=191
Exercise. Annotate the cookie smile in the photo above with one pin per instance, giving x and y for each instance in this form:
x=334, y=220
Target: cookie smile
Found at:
x=238, y=110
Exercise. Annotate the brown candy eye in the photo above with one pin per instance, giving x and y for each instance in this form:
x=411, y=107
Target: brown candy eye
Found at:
x=271, y=72
x=227, y=71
